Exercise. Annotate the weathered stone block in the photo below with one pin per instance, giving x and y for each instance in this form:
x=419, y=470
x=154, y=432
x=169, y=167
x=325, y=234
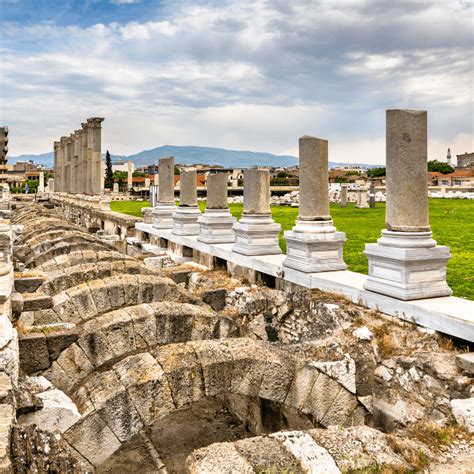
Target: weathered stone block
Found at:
x=28, y=284
x=183, y=371
x=93, y=439
x=34, y=355
x=215, y=298
x=147, y=386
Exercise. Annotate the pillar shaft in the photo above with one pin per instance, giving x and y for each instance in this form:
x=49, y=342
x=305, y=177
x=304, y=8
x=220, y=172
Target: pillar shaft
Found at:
x=95, y=144
x=188, y=189
x=129, y=175
x=314, y=195
x=166, y=172
x=256, y=191
x=217, y=191
x=64, y=167
x=57, y=165
x=407, y=191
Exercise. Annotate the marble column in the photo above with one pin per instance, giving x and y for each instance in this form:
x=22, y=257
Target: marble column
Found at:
x=314, y=245
x=185, y=219
x=41, y=182
x=343, y=195
x=163, y=211
x=64, y=168
x=256, y=233
x=57, y=166
x=372, y=196
x=155, y=179
x=129, y=175
x=216, y=224
x=51, y=185
x=80, y=161
x=102, y=177
x=85, y=156
x=147, y=183
x=70, y=168
x=405, y=262
x=77, y=175
x=362, y=198
x=95, y=144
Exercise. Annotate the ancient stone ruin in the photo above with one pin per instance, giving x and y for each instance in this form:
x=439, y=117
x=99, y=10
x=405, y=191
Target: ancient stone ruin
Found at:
x=166, y=345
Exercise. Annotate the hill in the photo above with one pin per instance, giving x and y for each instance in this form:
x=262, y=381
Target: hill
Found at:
x=189, y=155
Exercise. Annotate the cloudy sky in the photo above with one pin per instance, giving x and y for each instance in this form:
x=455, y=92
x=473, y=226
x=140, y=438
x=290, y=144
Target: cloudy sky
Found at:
x=252, y=75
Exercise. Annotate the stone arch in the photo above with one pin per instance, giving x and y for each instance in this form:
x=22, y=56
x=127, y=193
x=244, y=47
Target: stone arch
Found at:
x=115, y=335
x=62, y=248
x=70, y=276
x=89, y=300
x=31, y=252
x=139, y=389
x=77, y=257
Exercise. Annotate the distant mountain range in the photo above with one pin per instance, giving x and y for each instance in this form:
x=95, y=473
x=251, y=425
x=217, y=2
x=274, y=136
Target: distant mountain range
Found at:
x=189, y=155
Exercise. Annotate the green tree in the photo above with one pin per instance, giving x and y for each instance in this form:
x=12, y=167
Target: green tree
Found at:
x=109, y=174
x=376, y=172
x=139, y=174
x=120, y=177
x=441, y=167
x=177, y=171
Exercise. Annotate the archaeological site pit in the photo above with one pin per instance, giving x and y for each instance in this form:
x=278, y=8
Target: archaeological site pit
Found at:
x=186, y=341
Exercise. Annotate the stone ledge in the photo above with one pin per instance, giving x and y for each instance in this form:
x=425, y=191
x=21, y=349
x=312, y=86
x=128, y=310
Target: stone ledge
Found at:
x=449, y=315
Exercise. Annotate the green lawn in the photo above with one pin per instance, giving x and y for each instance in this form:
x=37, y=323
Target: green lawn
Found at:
x=452, y=222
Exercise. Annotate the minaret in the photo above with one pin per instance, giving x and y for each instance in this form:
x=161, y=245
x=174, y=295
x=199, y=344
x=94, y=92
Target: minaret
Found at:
x=448, y=157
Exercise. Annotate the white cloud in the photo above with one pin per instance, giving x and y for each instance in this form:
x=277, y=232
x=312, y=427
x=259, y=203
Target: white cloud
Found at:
x=248, y=75
x=123, y=2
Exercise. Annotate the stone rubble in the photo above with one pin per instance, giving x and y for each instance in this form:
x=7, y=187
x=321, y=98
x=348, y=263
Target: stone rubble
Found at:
x=318, y=383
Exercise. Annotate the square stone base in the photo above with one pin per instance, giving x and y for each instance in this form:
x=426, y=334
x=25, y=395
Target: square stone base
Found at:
x=216, y=227
x=407, y=273
x=163, y=215
x=314, y=253
x=185, y=221
x=257, y=234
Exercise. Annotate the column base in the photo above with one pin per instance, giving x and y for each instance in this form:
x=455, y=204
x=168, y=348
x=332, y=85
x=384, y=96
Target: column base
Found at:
x=215, y=227
x=185, y=221
x=314, y=246
x=407, y=266
x=257, y=234
x=163, y=215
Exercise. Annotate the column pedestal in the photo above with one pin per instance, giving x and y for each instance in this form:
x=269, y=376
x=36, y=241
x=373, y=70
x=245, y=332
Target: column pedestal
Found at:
x=314, y=246
x=407, y=266
x=215, y=226
x=163, y=215
x=185, y=221
x=362, y=201
x=256, y=234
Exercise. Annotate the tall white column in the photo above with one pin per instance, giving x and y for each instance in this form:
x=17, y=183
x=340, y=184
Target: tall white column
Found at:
x=64, y=167
x=163, y=211
x=405, y=262
x=95, y=144
x=313, y=245
x=129, y=175
x=256, y=233
x=185, y=219
x=57, y=166
x=216, y=224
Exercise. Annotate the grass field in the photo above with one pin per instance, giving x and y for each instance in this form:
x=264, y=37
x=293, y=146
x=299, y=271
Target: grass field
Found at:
x=452, y=222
